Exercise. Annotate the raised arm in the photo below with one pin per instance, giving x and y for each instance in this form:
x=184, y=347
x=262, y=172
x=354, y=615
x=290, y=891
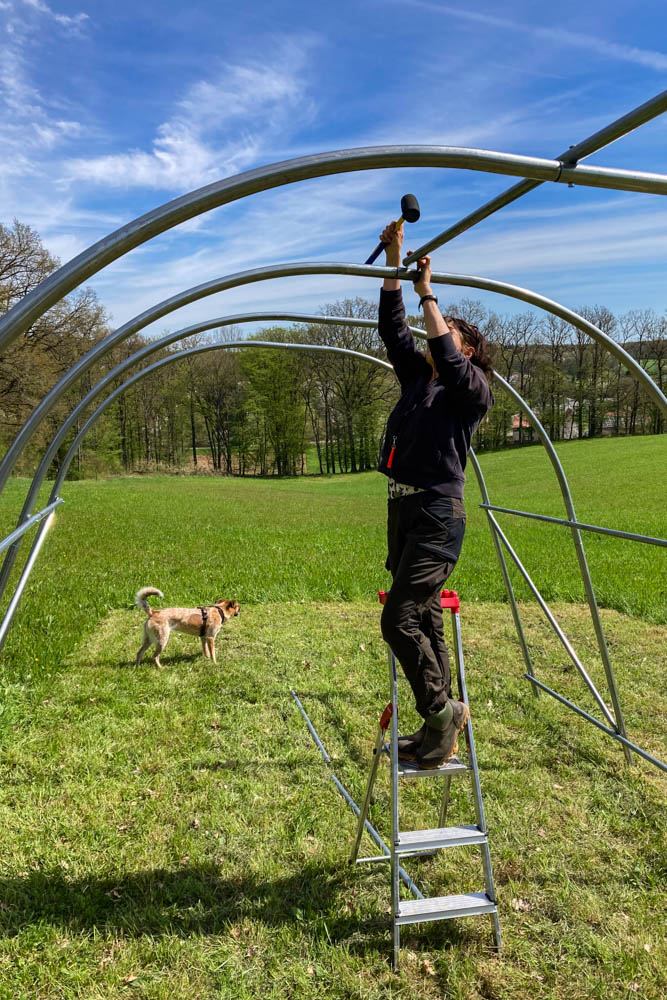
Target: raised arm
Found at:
x=451, y=355
x=408, y=362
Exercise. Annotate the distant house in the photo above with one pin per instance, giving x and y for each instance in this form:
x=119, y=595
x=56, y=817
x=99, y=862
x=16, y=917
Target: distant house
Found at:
x=570, y=427
x=609, y=423
x=524, y=426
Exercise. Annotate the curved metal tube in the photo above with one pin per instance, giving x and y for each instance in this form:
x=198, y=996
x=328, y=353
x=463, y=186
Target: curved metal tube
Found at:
x=248, y=277
x=144, y=228
x=149, y=348
x=144, y=352
x=21, y=316
x=62, y=472
x=290, y=270
x=203, y=348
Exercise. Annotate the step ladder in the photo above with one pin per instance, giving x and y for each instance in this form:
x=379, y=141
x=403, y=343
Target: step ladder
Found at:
x=420, y=843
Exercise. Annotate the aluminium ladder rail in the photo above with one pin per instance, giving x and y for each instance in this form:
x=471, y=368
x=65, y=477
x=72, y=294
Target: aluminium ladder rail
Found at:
x=416, y=843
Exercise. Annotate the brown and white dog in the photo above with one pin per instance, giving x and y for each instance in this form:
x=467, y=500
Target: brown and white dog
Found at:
x=205, y=622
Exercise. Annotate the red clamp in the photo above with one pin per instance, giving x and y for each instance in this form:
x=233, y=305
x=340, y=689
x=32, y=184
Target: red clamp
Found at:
x=450, y=599
x=385, y=718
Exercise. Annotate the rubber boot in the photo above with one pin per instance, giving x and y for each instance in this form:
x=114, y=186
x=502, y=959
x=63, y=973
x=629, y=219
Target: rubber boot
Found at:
x=409, y=745
x=441, y=739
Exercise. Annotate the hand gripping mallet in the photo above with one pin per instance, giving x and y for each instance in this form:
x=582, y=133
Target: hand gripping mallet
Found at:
x=409, y=213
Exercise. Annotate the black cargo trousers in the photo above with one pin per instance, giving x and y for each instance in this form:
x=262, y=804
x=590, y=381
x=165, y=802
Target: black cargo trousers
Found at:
x=424, y=534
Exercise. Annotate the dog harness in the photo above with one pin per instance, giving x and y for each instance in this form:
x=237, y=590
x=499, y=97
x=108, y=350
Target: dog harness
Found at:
x=204, y=616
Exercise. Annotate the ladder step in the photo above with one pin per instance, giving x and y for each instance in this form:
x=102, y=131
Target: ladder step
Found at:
x=445, y=836
x=406, y=769
x=413, y=911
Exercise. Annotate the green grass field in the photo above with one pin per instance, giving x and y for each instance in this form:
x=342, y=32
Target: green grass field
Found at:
x=174, y=832
x=324, y=539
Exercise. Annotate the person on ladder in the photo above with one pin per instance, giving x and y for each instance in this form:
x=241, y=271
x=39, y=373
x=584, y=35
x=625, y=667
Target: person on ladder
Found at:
x=444, y=395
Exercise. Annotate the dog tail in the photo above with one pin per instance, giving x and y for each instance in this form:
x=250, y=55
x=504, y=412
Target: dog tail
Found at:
x=141, y=595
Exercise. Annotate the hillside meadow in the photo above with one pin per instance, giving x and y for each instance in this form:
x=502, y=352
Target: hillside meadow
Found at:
x=313, y=538
x=175, y=832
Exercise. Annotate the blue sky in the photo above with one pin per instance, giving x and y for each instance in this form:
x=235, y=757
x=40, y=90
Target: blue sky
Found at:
x=110, y=109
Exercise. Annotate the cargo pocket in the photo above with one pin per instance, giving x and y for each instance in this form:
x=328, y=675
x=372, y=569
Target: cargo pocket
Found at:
x=441, y=528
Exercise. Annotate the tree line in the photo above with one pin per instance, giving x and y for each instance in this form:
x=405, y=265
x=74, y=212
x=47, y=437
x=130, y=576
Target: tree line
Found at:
x=260, y=411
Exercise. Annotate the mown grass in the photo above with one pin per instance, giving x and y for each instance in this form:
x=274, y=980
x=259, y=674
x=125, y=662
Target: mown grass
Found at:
x=324, y=539
x=175, y=832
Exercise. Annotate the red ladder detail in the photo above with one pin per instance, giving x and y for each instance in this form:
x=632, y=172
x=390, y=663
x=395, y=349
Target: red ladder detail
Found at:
x=386, y=717
x=448, y=599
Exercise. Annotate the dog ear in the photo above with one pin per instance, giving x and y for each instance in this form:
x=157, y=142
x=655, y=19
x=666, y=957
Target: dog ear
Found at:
x=228, y=608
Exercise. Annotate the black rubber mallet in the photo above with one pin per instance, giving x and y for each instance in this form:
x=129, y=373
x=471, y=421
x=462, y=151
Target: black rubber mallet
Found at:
x=409, y=213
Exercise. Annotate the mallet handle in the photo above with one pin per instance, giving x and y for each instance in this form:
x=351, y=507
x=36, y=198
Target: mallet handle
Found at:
x=380, y=247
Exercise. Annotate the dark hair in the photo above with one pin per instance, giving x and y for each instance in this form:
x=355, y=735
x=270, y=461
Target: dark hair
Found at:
x=471, y=336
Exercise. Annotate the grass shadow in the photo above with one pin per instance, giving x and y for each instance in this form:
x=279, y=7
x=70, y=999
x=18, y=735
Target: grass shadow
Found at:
x=167, y=661
x=196, y=900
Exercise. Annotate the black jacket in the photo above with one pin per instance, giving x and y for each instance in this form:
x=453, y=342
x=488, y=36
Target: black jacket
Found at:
x=431, y=426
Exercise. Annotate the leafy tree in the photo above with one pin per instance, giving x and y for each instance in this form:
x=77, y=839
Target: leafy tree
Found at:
x=50, y=347
x=274, y=380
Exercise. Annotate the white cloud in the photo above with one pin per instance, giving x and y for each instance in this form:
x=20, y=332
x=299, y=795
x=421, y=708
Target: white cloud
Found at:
x=648, y=58
x=72, y=24
x=19, y=96
x=581, y=244
x=470, y=125
x=218, y=128
x=51, y=134
x=27, y=121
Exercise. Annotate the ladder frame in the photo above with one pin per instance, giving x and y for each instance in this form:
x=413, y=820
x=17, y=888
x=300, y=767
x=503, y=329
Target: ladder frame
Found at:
x=487, y=902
